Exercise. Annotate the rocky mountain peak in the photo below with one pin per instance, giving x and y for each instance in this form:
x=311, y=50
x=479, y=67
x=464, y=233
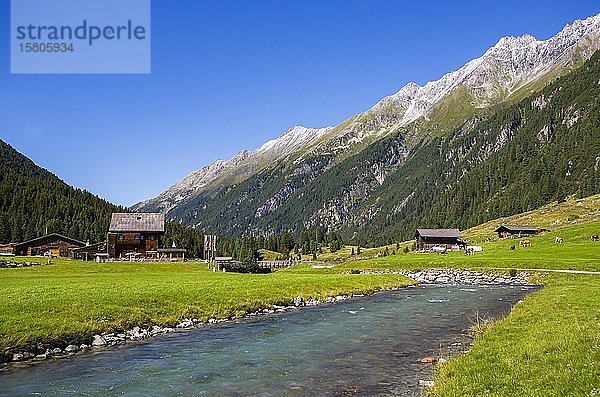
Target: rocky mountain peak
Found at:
x=511, y=64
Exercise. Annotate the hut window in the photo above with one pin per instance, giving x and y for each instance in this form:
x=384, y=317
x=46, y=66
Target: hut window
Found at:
x=120, y=236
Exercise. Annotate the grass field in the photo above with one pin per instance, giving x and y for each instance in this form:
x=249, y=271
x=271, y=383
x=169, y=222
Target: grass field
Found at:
x=69, y=301
x=578, y=252
x=550, y=343
x=548, y=346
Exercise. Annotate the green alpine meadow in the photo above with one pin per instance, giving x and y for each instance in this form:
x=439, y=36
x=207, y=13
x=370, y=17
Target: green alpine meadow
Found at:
x=301, y=199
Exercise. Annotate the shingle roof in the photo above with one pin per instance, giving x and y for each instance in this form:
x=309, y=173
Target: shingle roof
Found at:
x=139, y=222
x=51, y=236
x=517, y=228
x=449, y=233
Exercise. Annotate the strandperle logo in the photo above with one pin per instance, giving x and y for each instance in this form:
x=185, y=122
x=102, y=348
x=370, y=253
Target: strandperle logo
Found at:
x=80, y=36
x=85, y=32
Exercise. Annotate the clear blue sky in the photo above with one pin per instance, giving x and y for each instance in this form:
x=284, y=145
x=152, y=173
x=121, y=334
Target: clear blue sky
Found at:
x=228, y=75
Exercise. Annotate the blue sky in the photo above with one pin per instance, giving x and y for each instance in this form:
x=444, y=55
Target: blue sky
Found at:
x=229, y=75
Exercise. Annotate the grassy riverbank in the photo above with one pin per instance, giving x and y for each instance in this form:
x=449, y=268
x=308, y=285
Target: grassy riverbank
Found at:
x=69, y=301
x=549, y=345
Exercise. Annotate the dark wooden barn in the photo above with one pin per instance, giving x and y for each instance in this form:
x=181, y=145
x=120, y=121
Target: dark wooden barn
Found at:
x=447, y=239
x=516, y=231
x=135, y=236
x=53, y=244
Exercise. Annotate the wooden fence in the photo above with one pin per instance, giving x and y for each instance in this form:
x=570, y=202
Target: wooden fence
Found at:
x=276, y=264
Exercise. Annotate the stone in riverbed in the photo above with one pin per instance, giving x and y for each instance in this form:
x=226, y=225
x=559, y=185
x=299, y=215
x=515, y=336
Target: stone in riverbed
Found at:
x=138, y=333
x=71, y=349
x=54, y=352
x=299, y=301
x=83, y=346
x=186, y=323
x=428, y=360
x=98, y=341
x=22, y=356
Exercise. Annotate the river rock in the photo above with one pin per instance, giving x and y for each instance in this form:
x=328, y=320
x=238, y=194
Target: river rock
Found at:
x=83, y=346
x=299, y=301
x=71, y=349
x=138, y=333
x=186, y=323
x=156, y=330
x=54, y=352
x=98, y=341
x=22, y=356
x=41, y=357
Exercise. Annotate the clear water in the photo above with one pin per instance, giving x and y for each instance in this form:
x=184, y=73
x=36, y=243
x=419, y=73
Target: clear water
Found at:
x=363, y=346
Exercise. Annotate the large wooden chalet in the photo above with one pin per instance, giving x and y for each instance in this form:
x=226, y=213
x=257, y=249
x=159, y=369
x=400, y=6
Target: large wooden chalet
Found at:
x=132, y=236
x=516, y=231
x=430, y=239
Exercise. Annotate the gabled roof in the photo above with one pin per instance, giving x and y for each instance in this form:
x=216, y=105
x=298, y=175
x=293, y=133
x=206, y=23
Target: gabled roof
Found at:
x=138, y=222
x=51, y=236
x=517, y=228
x=90, y=247
x=441, y=233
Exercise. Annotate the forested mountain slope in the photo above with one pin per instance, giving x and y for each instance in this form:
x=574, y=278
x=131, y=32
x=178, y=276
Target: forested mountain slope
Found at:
x=377, y=175
x=33, y=200
x=511, y=159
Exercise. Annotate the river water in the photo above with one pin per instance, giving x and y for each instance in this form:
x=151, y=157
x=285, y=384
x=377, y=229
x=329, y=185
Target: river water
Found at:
x=363, y=346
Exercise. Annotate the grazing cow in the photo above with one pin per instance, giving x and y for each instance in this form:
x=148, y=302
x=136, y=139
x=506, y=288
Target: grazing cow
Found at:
x=469, y=251
x=525, y=243
x=559, y=240
x=594, y=237
x=512, y=247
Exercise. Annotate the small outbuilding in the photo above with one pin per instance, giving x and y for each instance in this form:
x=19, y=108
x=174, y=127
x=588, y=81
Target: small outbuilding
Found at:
x=89, y=252
x=516, y=231
x=223, y=260
x=438, y=239
x=171, y=254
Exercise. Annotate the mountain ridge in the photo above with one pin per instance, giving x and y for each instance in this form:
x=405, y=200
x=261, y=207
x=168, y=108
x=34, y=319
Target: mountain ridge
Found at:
x=513, y=68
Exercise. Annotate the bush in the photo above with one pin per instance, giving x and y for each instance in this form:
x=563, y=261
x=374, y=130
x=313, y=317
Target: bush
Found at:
x=238, y=267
